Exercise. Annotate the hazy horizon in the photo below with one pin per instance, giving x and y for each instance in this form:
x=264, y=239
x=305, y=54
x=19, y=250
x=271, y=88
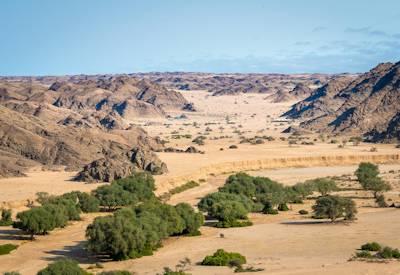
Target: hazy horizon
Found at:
x=103, y=37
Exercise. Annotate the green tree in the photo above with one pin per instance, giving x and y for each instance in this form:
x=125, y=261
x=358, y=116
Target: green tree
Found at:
x=323, y=185
x=6, y=217
x=367, y=174
x=86, y=202
x=334, y=207
x=228, y=212
x=141, y=185
x=35, y=221
x=192, y=220
x=113, y=196
x=63, y=267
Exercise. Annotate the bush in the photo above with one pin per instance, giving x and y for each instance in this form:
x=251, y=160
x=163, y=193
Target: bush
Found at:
x=373, y=246
x=223, y=258
x=6, y=219
x=303, y=212
x=380, y=201
x=7, y=248
x=115, y=272
x=184, y=187
x=63, y=267
x=12, y=273
x=334, y=207
x=386, y=253
x=283, y=207
x=364, y=254
x=270, y=211
x=323, y=185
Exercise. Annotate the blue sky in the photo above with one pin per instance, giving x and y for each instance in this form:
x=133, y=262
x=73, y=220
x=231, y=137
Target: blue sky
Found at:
x=42, y=37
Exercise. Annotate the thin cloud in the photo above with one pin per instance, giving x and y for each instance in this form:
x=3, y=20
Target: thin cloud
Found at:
x=367, y=31
x=319, y=29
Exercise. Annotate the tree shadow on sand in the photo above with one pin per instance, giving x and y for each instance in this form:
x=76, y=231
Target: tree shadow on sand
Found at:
x=311, y=222
x=76, y=252
x=11, y=234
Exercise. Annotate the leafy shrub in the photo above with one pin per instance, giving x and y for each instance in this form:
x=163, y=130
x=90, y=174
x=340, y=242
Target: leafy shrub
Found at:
x=6, y=219
x=283, y=207
x=116, y=272
x=333, y=207
x=223, y=258
x=303, y=212
x=7, y=248
x=234, y=223
x=63, y=267
x=323, y=185
x=12, y=273
x=386, y=253
x=184, y=187
x=380, y=201
x=373, y=246
x=364, y=254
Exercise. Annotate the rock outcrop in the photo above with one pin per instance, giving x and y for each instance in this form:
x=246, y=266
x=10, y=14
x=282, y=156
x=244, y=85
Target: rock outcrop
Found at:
x=367, y=105
x=78, y=121
x=116, y=166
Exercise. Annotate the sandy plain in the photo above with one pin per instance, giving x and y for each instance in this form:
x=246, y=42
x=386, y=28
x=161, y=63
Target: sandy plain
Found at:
x=284, y=244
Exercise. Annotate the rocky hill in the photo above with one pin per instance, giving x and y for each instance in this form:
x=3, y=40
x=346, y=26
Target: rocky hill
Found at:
x=82, y=123
x=230, y=84
x=367, y=105
x=299, y=92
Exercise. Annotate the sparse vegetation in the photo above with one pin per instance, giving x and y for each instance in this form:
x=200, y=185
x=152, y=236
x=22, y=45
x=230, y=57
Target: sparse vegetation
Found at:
x=63, y=267
x=7, y=248
x=375, y=251
x=223, y=258
x=6, y=219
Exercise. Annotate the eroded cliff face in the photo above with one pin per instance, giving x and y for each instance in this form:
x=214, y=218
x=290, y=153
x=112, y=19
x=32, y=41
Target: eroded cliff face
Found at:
x=367, y=105
x=81, y=122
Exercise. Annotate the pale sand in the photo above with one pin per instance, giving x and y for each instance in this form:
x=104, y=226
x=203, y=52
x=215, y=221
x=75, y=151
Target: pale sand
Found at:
x=278, y=247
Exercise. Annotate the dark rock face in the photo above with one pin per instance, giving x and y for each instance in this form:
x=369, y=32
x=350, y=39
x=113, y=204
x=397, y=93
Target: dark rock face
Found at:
x=189, y=107
x=367, y=105
x=80, y=120
x=116, y=166
x=189, y=150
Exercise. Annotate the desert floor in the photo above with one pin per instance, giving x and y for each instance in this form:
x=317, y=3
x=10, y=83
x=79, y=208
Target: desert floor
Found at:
x=287, y=243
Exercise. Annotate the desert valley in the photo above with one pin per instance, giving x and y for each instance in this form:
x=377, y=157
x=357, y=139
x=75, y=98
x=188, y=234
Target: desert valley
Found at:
x=154, y=137
x=206, y=140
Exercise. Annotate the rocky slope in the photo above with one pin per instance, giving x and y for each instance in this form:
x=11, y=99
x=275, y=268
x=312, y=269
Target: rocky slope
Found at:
x=299, y=92
x=82, y=123
x=229, y=84
x=367, y=105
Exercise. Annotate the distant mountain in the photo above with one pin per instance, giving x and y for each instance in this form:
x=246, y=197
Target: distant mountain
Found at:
x=233, y=84
x=299, y=92
x=367, y=105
